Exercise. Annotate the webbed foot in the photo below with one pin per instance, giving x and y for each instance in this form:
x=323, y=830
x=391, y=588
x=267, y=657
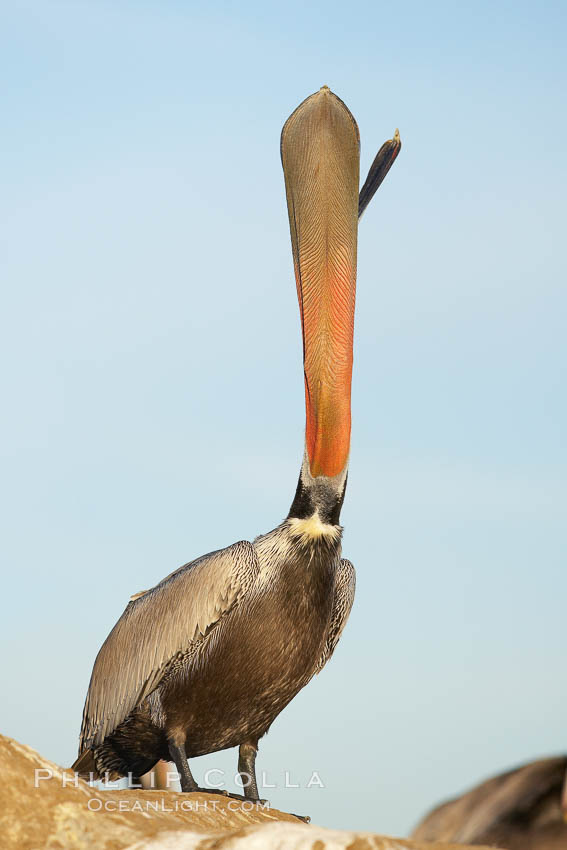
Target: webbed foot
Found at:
x=304, y=818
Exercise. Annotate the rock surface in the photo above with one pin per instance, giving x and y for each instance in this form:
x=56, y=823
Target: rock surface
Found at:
x=518, y=810
x=44, y=806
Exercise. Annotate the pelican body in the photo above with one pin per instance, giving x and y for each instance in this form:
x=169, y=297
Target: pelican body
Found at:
x=210, y=656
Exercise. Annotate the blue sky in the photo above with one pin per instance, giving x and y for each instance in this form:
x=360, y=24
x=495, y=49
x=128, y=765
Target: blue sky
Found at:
x=151, y=366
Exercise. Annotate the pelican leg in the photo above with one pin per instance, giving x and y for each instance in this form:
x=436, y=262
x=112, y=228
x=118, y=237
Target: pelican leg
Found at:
x=179, y=756
x=247, y=768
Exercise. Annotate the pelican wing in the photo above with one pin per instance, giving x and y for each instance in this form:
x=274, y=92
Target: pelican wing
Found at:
x=345, y=586
x=158, y=627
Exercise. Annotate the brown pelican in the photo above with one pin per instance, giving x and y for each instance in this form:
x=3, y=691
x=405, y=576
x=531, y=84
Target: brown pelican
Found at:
x=519, y=810
x=210, y=656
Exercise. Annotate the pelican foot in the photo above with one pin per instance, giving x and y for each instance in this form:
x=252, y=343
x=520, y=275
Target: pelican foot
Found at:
x=233, y=796
x=248, y=799
x=220, y=791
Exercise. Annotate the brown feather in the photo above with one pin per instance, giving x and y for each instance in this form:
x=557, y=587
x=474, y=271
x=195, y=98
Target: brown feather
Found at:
x=519, y=810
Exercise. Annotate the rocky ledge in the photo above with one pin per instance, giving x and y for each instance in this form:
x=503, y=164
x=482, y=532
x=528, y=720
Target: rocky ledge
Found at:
x=45, y=806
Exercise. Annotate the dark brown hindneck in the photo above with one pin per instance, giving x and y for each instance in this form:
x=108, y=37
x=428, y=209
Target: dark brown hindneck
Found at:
x=321, y=496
